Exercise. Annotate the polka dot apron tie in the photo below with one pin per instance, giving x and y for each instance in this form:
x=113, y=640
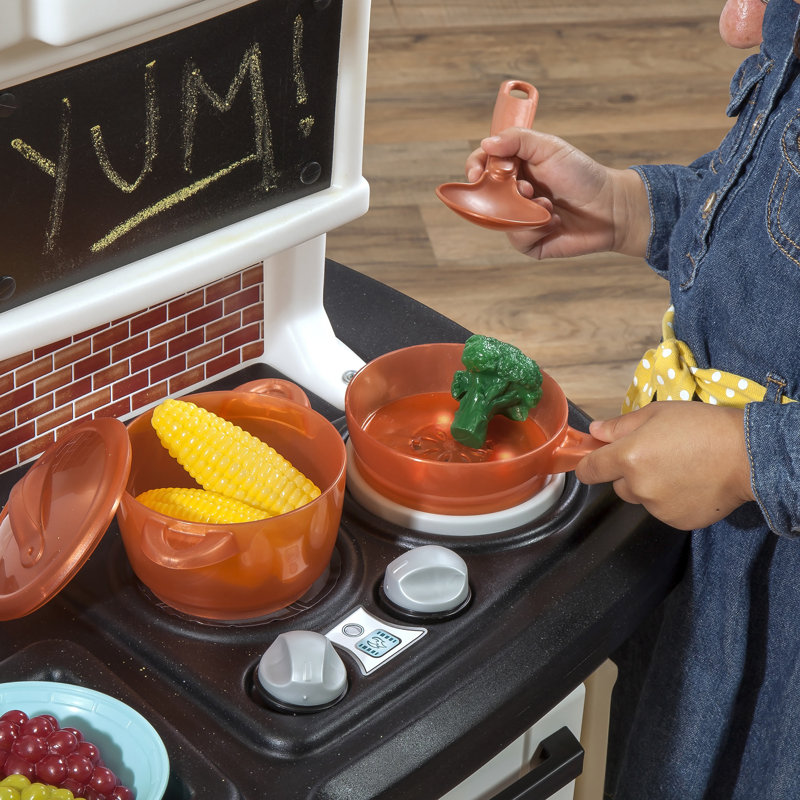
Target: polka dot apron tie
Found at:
x=670, y=372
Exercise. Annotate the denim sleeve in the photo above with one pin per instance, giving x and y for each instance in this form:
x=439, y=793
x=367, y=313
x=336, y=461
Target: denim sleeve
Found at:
x=772, y=434
x=670, y=187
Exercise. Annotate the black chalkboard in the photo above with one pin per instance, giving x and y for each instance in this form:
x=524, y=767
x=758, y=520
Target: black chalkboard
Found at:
x=126, y=155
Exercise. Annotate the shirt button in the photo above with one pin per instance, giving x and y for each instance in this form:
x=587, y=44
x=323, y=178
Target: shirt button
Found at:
x=708, y=205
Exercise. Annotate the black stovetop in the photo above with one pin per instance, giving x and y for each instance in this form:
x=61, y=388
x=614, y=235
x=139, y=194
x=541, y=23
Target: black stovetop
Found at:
x=550, y=601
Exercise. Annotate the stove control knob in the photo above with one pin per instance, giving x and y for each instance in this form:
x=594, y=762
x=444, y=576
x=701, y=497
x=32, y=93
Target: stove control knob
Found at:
x=427, y=581
x=300, y=671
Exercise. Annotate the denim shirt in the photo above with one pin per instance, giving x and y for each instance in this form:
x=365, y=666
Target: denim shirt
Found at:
x=725, y=232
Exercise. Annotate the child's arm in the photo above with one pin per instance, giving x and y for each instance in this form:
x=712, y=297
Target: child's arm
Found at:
x=685, y=462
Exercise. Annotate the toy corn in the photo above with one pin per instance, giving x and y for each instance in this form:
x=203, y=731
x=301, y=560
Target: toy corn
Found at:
x=223, y=458
x=199, y=505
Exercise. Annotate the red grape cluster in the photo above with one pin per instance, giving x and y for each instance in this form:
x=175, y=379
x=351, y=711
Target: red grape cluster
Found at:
x=41, y=750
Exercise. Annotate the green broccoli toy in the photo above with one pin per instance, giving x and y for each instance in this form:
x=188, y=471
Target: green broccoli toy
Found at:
x=499, y=379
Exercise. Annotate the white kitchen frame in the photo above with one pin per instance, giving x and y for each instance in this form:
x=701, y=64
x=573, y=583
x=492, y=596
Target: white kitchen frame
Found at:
x=289, y=240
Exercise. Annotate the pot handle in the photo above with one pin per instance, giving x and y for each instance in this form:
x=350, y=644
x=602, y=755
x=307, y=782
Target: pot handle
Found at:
x=197, y=550
x=277, y=387
x=573, y=447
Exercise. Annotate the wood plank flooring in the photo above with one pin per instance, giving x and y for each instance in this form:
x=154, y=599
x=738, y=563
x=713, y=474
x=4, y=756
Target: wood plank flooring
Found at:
x=629, y=81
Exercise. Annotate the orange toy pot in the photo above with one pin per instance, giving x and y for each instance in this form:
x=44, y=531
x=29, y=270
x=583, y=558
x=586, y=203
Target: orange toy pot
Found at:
x=249, y=569
x=399, y=411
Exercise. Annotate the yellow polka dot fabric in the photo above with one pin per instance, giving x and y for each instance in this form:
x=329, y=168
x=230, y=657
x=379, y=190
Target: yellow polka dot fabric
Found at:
x=670, y=372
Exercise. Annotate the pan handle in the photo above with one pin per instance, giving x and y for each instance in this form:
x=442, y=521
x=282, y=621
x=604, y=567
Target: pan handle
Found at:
x=573, y=447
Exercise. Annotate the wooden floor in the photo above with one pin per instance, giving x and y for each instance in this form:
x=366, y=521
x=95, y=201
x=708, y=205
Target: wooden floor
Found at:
x=628, y=81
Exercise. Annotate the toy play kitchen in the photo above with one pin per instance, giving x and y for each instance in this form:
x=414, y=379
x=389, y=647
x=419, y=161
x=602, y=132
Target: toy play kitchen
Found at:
x=169, y=172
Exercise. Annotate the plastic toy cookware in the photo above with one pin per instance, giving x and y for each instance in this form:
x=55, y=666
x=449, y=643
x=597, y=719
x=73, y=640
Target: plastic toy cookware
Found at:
x=243, y=570
x=399, y=411
x=494, y=201
x=60, y=509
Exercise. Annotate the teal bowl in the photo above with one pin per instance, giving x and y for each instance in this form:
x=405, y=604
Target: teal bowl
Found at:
x=128, y=743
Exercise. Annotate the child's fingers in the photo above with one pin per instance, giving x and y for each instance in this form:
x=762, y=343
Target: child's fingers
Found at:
x=611, y=430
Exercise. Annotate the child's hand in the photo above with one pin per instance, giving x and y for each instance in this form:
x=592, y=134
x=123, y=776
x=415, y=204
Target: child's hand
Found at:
x=594, y=208
x=685, y=462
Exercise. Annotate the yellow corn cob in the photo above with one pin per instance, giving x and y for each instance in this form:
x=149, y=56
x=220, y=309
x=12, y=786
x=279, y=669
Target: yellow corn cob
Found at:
x=223, y=458
x=199, y=505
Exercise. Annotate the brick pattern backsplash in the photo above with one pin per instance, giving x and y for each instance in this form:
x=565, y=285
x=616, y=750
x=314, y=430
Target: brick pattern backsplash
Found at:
x=119, y=368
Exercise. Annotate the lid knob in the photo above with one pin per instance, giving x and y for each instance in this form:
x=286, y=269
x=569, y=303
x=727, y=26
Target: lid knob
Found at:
x=300, y=671
x=427, y=581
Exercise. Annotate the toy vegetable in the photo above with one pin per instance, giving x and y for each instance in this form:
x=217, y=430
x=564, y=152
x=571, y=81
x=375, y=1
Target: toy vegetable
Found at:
x=499, y=379
x=227, y=460
x=199, y=505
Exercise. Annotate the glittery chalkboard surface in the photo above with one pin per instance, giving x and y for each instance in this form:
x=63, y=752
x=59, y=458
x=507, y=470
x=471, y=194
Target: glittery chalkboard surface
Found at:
x=118, y=158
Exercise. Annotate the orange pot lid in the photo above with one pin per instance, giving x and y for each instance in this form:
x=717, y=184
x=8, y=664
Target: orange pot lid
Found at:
x=58, y=511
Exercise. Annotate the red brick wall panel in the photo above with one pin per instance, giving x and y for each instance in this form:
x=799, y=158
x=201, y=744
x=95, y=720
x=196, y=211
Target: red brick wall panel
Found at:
x=189, y=340
x=151, y=394
x=111, y=336
x=35, y=369
x=149, y=357
x=130, y=347
x=51, y=382
x=35, y=446
x=181, y=382
x=253, y=350
x=10, y=364
x=129, y=386
x=148, y=319
x=6, y=383
x=222, y=364
x=242, y=299
x=221, y=289
x=47, y=349
x=54, y=419
x=73, y=391
x=92, y=364
x=72, y=352
x=167, y=369
x=204, y=353
x=240, y=337
x=123, y=366
x=109, y=375
x=12, y=400
x=181, y=306
x=253, y=275
x=91, y=402
x=169, y=330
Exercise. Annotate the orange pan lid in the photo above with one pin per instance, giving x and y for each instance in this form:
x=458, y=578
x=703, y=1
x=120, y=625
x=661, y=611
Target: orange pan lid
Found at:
x=58, y=511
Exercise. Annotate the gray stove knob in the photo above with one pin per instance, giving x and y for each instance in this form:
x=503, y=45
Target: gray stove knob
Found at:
x=300, y=670
x=427, y=580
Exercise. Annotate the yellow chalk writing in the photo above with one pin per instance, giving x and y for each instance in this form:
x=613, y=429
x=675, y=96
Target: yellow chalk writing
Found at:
x=55, y=169
x=195, y=97
x=168, y=202
x=45, y=164
x=150, y=138
x=297, y=65
x=306, y=124
x=195, y=86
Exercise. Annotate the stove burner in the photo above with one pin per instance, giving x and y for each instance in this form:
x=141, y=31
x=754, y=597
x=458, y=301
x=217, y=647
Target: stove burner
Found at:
x=452, y=525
